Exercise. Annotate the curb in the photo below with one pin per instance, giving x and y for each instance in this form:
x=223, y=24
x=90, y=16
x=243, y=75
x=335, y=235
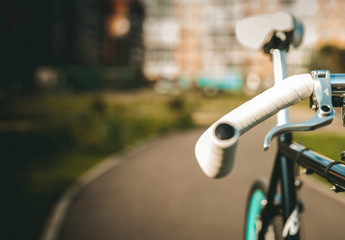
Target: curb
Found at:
x=60, y=210
x=57, y=217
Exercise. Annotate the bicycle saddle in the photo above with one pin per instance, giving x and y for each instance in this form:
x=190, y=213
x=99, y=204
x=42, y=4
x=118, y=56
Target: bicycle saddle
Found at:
x=277, y=31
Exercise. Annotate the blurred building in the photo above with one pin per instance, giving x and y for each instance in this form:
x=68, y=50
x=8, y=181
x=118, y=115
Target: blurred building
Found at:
x=330, y=23
x=190, y=39
x=38, y=36
x=78, y=31
x=160, y=36
x=169, y=39
x=40, y=33
x=124, y=45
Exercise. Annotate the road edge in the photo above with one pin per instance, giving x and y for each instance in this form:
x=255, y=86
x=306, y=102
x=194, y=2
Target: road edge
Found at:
x=57, y=217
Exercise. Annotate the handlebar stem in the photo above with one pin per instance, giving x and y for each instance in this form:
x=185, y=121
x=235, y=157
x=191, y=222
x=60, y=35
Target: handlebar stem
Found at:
x=279, y=69
x=337, y=83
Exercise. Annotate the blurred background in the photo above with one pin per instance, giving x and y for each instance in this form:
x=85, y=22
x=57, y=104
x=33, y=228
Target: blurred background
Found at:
x=82, y=79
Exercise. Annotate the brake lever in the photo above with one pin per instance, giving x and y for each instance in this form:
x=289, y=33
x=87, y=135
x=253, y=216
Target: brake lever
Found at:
x=315, y=122
x=322, y=101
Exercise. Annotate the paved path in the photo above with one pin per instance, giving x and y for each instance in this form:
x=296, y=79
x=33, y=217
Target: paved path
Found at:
x=159, y=192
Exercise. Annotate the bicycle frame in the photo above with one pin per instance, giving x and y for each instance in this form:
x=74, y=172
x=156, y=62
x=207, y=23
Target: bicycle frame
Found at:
x=289, y=156
x=284, y=168
x=283, y=173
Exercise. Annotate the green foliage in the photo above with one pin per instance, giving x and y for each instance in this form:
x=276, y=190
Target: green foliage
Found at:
x=51, y=140
x=329, y=58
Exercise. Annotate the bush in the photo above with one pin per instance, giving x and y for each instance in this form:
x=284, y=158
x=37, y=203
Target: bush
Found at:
x=81, y=79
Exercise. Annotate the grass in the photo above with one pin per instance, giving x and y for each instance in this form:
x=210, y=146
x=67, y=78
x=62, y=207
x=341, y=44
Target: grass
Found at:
x=328, y=144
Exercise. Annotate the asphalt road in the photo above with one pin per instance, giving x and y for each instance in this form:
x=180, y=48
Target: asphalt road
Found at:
x=159, y=192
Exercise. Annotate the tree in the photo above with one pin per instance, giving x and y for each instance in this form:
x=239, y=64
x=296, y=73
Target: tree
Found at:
x=329, y=58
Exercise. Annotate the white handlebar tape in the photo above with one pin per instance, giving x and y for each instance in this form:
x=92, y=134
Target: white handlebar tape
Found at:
x=215, y=149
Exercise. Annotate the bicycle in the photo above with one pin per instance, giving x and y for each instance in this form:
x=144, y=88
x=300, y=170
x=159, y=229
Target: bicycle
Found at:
x=273, y=208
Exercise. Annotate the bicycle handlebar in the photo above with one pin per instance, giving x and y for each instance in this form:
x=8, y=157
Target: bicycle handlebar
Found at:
x=215, y=149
